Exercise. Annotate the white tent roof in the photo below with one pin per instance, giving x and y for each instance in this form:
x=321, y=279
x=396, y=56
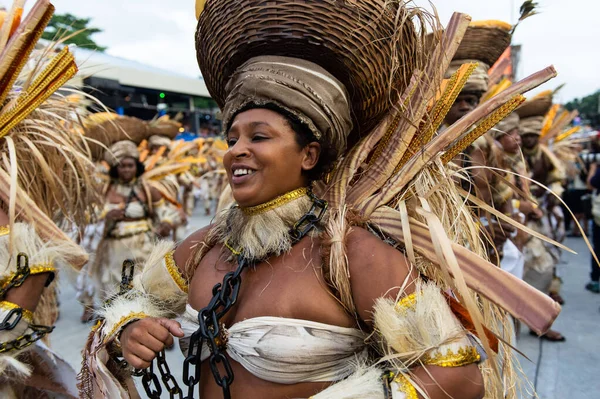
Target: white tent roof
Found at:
x=132, y=73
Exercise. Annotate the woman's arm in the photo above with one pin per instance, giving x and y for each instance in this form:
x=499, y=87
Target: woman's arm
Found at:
x=377, y=270
x=28, y=295
x=141, y=340
x=593, y=180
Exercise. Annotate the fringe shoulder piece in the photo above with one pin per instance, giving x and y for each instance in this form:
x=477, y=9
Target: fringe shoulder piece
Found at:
x=397, y=181
x=158, y=290
x=45, y=168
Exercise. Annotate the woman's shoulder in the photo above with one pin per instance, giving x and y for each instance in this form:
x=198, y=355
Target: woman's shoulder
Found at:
x=363, y=244
x=188, y=246
x=376, y=270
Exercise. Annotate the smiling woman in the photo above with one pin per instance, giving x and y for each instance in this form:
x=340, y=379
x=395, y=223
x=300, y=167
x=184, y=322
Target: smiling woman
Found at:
x=312, y=287
x=266, y=157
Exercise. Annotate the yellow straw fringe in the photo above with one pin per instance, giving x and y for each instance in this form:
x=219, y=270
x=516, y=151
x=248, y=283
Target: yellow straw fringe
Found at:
x=455, y=85
x=57, y=73
x=483, y=128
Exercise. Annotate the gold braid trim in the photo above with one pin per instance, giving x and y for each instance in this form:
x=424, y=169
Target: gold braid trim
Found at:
x=125, y=320
x=276, y=203
x=406, y=387
x=485, y=125
x=33, y=270
x=464, y=356
x=406, y=303
x=175, y=273
x=4, y=230
x=27, y=314
x=236, y=252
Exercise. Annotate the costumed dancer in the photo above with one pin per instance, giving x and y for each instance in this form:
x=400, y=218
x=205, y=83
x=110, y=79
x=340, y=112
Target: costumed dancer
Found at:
x=541, y=257
x=483, y=44
x=134, y=214
x=368, y=283
x=45, y=182
x=506, y=133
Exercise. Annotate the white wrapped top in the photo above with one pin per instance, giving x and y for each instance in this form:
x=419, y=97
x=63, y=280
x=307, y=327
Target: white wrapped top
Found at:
x=288, y=351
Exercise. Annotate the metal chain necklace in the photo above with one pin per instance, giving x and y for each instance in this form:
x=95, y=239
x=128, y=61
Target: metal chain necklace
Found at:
x=212, y=332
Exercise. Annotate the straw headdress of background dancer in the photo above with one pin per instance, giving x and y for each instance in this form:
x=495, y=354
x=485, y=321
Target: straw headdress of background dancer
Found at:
x=45, y=182
x=283, y=290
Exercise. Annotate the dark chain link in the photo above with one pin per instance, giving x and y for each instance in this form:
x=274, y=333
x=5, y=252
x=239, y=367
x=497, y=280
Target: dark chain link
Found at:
x=20, y=275
x=14, y=316
x=212, y=332
x=26, y=340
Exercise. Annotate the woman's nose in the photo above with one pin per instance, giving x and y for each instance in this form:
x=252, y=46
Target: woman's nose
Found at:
x=239, y=149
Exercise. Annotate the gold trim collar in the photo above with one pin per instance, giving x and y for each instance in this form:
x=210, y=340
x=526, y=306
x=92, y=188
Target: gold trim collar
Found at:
x=276, y=203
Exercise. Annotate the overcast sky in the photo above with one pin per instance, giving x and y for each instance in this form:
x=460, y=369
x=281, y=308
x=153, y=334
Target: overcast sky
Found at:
x=161, y=33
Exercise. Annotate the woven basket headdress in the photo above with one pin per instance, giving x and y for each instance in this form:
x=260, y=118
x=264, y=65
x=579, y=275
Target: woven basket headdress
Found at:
x=369, y=46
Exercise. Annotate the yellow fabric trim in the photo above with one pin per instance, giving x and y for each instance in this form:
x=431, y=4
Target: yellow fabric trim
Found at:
x=276, y=203
x=175, y=273
x=158, y=203
x=405, y=386
x=408, y=302
x=464, y=356
x=27, y=314
x=126, y=319
x=33, y=270
x=42, y=268
x=4, y=230
x=232, y=249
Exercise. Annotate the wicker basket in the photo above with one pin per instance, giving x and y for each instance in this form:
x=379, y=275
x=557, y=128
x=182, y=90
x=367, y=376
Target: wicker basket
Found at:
x=109, y=132
x=536, y=107
x=483, y=43
x=169, y=129
x=353, y=40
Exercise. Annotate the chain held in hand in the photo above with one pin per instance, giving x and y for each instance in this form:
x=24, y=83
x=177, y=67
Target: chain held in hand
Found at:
x=212, y=332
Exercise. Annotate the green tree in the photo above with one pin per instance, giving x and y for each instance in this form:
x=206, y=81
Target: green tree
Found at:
x=588, y=107
x=66, y=25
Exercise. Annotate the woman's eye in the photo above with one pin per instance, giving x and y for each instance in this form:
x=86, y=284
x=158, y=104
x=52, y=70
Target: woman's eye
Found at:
x=231, y=142
x=259, y=138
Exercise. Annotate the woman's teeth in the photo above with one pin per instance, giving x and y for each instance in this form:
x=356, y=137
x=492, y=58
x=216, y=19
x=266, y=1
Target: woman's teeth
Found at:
x=242, y=172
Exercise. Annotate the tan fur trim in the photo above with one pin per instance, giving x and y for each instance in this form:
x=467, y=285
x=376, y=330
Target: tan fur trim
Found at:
x=365, y=383
x=418, y=328
x=261, y=235
x=26, y=240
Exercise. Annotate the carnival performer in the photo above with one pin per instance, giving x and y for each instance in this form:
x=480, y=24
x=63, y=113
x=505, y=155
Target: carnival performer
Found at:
x=134, y=215
x=45, y=181
x=506, y=133
x=483, y=44
x=541, y=258
x=298, y=296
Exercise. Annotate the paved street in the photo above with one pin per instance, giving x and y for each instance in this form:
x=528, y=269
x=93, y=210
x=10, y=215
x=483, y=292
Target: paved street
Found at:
x=567, y=370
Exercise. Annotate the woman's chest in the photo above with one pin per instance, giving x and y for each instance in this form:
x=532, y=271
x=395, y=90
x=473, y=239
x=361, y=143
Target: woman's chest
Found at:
x=291, y=286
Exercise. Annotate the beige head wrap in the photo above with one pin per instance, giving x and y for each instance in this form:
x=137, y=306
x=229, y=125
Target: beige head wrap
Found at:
x=300, y=87
x=509, y=123
x=159, y=141
x=120, y=150
x=531, y=125
x=479, y=79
